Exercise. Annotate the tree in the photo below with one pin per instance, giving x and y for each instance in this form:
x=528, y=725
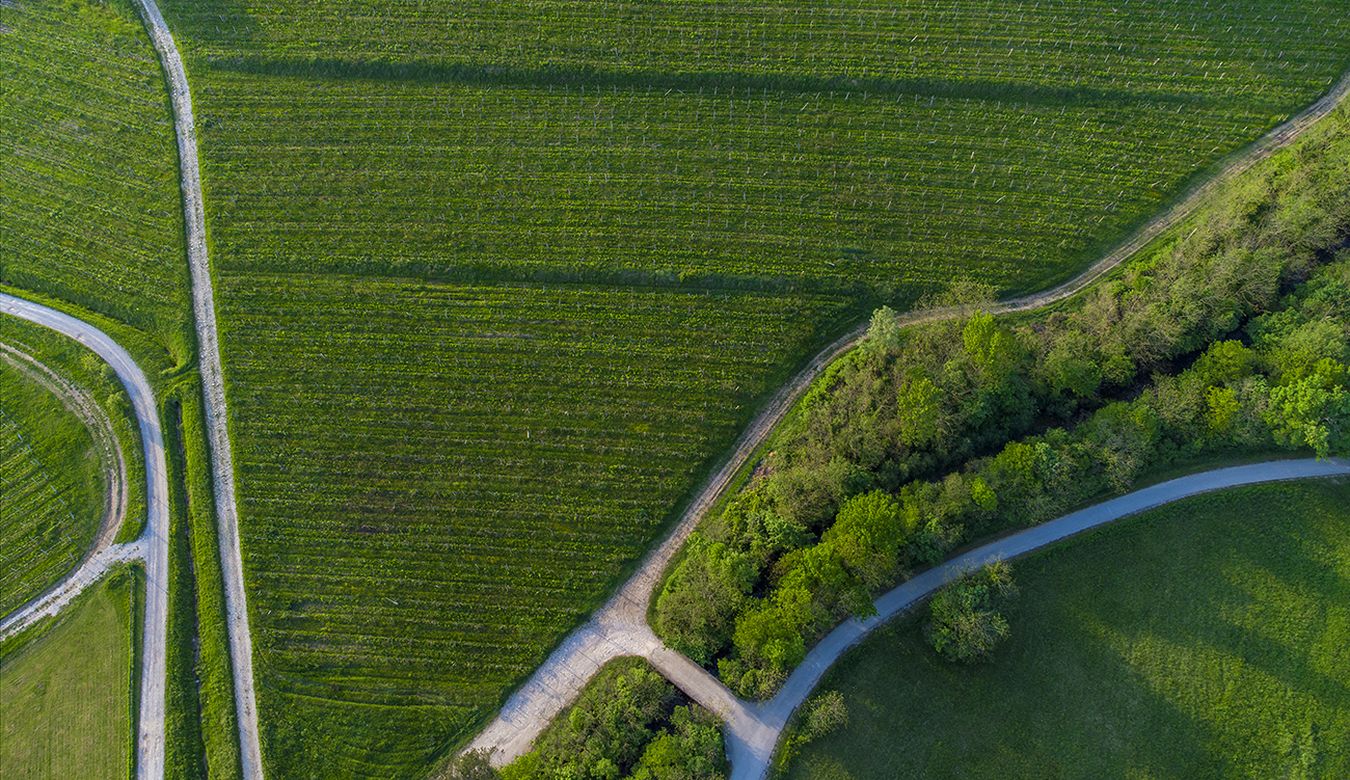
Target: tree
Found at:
x=823, y=714
x=697, y=607
x=472, y=765
x=690, y=750
x=883, y=332
x=964, y=623
x=867, y=534
x=1313, y=411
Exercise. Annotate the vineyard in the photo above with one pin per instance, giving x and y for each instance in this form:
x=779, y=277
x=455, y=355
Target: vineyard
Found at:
x=447, y=477
x=51, y=487
x=90, y=192
x=498, y=281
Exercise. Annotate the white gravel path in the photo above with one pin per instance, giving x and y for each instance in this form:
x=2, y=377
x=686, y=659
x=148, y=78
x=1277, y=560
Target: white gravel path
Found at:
x=152, y=547
x=620, y=628
x=213, y=391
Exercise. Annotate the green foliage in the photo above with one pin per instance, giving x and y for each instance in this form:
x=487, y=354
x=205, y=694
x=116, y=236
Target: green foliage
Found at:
x=51, y=487
x=628, y=723
x=1205, y=638
x=1273, y=376
x=964, y=623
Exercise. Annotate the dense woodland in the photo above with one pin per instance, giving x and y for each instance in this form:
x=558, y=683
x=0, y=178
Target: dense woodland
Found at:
x=1231, y=337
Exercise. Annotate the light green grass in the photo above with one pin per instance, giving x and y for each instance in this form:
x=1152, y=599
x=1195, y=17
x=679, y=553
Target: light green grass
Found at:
x=67, y=694
x=93, y=215
x=51, y=488
x=1210, y=638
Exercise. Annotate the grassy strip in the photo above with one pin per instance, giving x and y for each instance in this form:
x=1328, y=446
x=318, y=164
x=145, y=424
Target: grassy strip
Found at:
x=185, y=753
x=82, y=367
x=219, y=724
x=1230, y=662
x=67, y=687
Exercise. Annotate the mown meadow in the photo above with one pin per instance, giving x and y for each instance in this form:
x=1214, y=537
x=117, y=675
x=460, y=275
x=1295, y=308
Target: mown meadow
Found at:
x=67, y=688
x=1229, y=661
x=499, y=282
x=51, y=487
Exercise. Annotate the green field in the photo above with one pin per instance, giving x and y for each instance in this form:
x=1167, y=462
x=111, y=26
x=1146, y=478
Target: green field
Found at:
x=51, y=487
x=67, y=693
x=1204, y=639
x=90, y=192
x=498, y=282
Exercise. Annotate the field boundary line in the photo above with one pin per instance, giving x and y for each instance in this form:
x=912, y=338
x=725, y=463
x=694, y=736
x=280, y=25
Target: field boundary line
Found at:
x=152, y=547
x=610, y=631
x=213, y=390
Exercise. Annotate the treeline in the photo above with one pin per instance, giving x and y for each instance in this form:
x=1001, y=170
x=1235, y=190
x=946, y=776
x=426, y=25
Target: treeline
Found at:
x=629, y=723
x=849, y=501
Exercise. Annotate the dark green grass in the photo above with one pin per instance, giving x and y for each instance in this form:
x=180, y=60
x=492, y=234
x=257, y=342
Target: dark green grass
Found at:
x=451, y=476
x=90, y=192
x=66, y=688
x=1204, y=639
x=51, y=488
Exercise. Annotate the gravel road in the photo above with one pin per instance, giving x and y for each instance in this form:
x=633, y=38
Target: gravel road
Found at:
x=213, y=390
x=620, y=626
x=152, y=547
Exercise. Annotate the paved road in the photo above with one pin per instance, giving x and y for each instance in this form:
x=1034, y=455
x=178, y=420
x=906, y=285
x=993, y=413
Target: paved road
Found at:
x=615, y=630
x=751, y=746
x=152, y=547
x=213, y=391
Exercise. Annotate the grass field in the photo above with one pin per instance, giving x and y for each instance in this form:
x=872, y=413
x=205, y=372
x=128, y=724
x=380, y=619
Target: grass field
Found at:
x=90, y=191
x=498, y=281
x=51, y=487
x=67, y=693
x=1204, y=639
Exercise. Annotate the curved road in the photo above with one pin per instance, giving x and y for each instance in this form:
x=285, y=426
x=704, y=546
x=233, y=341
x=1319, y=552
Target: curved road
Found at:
x=213, y=390
x=620, y=628
x=152, y=547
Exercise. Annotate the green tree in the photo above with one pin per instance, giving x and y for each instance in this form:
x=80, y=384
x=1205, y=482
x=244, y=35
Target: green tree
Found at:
x=964, y=623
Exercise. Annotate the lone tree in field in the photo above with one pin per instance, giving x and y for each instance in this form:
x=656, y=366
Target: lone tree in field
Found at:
x=965, y=624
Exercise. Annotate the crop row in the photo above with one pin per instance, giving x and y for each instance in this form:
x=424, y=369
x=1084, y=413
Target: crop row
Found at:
x=1061, y=43
x=90, y=191
x=836, y=189
x=437, y=480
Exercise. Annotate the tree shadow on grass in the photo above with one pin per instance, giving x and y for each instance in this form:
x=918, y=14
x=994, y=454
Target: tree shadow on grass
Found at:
x=729, y=83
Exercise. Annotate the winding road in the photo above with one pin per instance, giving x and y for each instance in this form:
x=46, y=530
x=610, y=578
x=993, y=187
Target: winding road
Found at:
x=619, y=628
x=152, y=547
x=80, y=403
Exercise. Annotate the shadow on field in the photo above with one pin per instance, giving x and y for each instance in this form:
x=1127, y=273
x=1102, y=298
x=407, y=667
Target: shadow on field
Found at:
x=734, y=83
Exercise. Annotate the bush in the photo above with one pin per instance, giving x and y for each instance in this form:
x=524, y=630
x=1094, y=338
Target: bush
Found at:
x=964, y=623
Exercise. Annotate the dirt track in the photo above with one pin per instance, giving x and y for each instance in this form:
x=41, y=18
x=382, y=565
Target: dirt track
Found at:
x=152, y=547
x=213, y=390
x=620, y=628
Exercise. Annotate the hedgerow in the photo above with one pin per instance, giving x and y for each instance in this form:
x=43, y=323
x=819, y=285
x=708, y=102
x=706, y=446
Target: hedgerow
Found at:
x=837, y=513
